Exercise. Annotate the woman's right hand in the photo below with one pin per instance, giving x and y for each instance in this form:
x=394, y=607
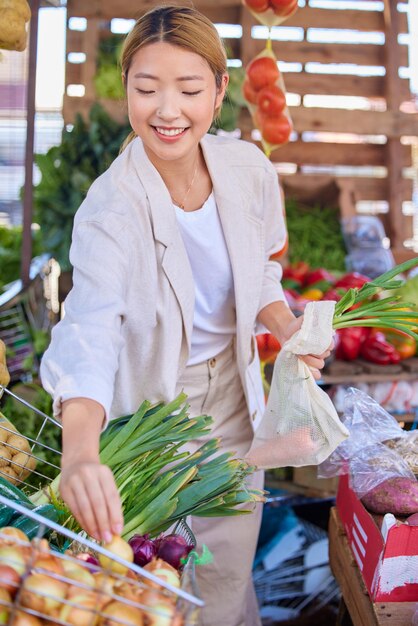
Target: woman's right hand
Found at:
x=89, y=489
x=87, y=486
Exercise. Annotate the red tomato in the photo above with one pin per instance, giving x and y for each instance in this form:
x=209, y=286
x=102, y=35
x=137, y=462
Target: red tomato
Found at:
x=257, y=5
x=276, y=130
x=249, y=92
x=271, y=100
x=262, y=72
x=283, y=7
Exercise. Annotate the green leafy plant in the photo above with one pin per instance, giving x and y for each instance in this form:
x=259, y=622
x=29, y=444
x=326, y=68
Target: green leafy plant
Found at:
x=315, y=235
x=11, y=252
x=108, y=81
x=67, y=171
x=234, y=101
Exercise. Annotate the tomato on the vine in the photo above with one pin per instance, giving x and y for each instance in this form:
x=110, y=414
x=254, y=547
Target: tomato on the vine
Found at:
x=271, y=100
x=275, y=130
x=249, y=92
x=259, y=6
x=283, y=7
x=262, y=71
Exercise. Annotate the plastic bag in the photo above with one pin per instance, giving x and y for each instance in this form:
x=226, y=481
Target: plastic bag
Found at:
x=368, y=424
x=300, y=425
x=373, y=465
x=363, y=455
x=265, y=93
x=271, y=12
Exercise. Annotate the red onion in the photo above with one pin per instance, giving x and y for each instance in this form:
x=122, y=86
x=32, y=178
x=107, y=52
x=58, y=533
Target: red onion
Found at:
x=172, y=549
x=144, y=549
x=88, y=558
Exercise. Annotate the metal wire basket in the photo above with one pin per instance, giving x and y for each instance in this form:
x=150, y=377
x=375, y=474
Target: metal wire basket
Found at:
x=58, y=588
x=44, y=461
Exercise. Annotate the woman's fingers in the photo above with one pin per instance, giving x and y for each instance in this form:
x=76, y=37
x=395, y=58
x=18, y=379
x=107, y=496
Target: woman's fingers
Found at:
x=314, y=362
x=90, y=491
x=112, y=499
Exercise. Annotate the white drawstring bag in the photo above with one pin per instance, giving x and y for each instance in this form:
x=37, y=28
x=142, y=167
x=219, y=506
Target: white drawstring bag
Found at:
x=300, y=425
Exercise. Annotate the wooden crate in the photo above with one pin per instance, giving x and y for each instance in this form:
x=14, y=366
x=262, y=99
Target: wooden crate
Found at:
x=364, y=150
x=362, y=610
x=307, y=477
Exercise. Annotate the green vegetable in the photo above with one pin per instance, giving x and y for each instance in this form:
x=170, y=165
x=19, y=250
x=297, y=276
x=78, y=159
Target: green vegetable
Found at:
x=6, y=514
x=315, y=235
x=32, y=528
x=409, y=290
x=389, y=312
x=67, y=172
x=158, y=484
x=13, y=493
x=11, y=252
x=108, y=79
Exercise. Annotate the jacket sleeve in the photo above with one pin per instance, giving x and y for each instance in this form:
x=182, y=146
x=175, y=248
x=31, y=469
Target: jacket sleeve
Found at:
x=275, y=239
x=82, y=358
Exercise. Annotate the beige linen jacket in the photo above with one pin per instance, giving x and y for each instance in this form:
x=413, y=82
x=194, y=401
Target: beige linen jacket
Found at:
x=126, y=333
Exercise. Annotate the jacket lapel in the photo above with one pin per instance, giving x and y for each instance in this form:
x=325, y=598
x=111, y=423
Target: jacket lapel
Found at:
x=244, y=235
x=175, y=262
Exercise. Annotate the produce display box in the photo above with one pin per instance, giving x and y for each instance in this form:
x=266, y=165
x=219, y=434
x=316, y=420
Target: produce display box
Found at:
x=308, y=477
x=388, y=556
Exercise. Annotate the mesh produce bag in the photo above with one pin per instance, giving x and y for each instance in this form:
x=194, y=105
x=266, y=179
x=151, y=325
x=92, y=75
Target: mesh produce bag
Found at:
x=300, y=425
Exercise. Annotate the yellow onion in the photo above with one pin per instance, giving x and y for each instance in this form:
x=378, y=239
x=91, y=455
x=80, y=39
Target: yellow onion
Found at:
x=105, y=587
x=78, y=572
x=162, y=608
x=120, y=548
x=164, y=572
x=4, y=610
x=14, y=557
x=24, y=619
x=13, y=533
x=44, y=559
x=9, y=579
x=123, y=614
x=42, y=593
x=86, y=611
x=129, y=591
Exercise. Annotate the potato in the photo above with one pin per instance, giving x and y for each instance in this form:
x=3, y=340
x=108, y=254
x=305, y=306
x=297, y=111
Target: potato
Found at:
x=9, y=474
x=12, y=29
x=18, y=443
x=5, y=456
x=23, y=464
x=21, y=7
x=5, y=428
x=4, y=373
x=395, y=495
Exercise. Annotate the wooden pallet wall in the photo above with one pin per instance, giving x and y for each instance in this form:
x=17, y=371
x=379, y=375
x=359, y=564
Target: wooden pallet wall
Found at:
x=366, y=151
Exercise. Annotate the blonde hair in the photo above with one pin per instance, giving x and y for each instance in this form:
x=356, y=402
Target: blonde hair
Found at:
x=180, y=26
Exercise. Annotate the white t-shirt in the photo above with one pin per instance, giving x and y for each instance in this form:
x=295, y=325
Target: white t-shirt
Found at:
x=214, y=322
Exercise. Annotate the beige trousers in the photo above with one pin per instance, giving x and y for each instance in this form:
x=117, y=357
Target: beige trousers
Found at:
x=214, y=388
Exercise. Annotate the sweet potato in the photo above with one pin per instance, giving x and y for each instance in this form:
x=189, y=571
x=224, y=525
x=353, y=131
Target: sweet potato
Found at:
x=395, y=495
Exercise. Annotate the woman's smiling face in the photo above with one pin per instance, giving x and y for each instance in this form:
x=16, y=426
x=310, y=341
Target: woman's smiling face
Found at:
x=172, y=97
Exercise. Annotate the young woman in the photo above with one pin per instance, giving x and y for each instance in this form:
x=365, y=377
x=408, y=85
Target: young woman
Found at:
x=171, y=276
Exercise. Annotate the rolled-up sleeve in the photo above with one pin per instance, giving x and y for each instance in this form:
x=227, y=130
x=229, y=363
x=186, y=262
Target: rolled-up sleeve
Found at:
x=275, y=239
x=82, y=358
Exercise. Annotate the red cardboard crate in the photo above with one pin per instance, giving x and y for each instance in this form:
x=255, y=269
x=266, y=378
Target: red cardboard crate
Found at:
x=387, y=557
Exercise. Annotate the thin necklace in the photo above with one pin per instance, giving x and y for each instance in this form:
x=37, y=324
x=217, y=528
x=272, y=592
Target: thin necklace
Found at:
x=182, y=203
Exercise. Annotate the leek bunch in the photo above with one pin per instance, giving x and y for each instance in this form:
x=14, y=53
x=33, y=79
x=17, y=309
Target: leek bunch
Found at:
x=357, y=308
x=158, y=482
